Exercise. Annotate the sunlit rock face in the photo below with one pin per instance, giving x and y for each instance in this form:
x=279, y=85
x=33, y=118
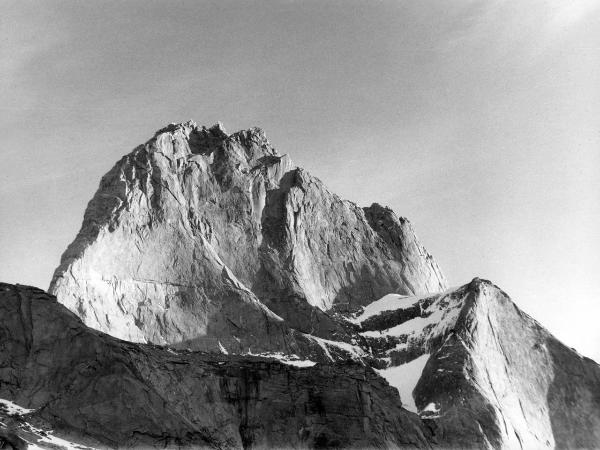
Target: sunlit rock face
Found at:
x=208, y=240
x=480, y=372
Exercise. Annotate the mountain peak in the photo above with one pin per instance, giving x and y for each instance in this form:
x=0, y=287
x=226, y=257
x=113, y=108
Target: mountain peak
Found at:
x=218, y=128
x=173, y=127
x=248, y=147
x=194, y=203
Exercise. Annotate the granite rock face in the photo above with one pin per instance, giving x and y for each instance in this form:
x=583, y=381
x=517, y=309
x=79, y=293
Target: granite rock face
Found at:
x=481, y=372
x=216, y=243
x=207, y=240
x=71, y=385
x=490, y=377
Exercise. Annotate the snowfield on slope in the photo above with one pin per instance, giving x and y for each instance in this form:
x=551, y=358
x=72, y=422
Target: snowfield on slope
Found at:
x=404, y=378
x=435, y=319
x=290, y=360
x=12, y=409
x=389, y=302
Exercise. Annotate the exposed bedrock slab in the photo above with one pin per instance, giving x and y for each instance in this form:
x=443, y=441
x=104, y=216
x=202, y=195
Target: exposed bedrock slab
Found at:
x=202, y=237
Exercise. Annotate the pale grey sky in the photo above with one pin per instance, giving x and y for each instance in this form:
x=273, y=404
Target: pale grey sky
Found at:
x=477, y=120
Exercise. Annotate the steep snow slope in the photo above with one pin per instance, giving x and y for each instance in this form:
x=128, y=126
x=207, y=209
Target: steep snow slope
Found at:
x=405, y=377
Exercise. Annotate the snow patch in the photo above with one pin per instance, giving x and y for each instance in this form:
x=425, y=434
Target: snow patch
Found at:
x=393, y=302
x=431, y=411
x=322, y=345
x=404, y=378
x=54, y=442
x=440, y=319
x=12, y=409
x=412, y=326
x=389, y=302
x=48, y=440
x=298, y=363
x=223, y=349
x=354, y=351
x=290, y=360
x=431, y=407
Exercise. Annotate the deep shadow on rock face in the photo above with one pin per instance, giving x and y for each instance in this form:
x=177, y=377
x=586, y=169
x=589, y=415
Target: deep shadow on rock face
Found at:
x=333, y=253
x=90, y=386
x=574, y=398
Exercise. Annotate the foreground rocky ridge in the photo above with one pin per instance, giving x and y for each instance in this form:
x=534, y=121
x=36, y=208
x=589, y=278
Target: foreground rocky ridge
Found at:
x=491, y=377
x=95, y=390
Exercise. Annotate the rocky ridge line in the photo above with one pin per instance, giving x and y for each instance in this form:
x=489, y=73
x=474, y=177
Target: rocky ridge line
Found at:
x=69, y=383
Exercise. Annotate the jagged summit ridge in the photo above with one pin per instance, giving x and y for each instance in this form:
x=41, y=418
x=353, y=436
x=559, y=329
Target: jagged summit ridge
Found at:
x=196, y=224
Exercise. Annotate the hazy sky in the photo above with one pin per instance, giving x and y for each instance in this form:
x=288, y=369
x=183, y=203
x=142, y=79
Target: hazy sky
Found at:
x=477, y=120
